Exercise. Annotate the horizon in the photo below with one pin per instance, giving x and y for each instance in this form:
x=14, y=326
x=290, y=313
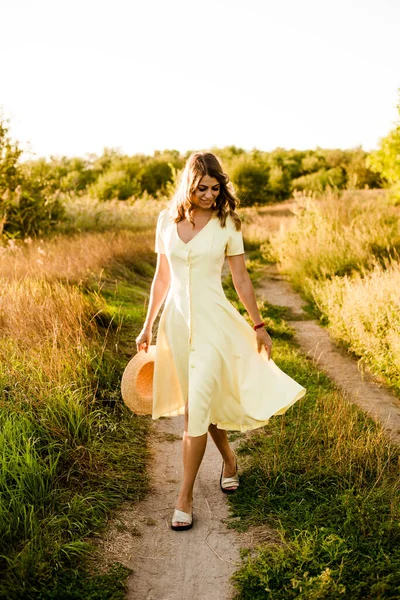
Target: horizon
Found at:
x=91, y=155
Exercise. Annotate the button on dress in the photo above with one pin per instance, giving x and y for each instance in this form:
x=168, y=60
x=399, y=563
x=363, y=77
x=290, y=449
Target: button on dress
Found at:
x=206, y=352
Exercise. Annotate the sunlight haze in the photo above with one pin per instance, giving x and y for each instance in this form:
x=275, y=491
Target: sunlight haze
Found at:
x=140, y=76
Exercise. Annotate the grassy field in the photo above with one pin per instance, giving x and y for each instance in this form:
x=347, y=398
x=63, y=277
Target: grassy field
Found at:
x=320, y=484
x=320, y=489
x=342, y=253
x=326, y=481
x=70, y=309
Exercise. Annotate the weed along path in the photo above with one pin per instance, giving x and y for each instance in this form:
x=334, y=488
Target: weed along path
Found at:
x=314, y=340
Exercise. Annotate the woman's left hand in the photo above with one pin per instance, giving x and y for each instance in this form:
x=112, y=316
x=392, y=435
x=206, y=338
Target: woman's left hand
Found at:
x=264, y=340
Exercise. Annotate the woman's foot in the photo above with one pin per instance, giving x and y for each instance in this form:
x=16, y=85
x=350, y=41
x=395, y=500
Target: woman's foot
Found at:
x=229, y=471
x=185, y=505
x=181, y=521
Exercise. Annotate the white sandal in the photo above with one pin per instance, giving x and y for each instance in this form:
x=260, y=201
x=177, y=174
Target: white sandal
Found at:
x=181, y=517
x=228, y=482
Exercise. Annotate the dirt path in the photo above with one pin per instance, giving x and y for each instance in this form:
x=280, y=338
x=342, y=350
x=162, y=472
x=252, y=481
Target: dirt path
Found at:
x=169, y=565
x=197, y=564
x=314, y=340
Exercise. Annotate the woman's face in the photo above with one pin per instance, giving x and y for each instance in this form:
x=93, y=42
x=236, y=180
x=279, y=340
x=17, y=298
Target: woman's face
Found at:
x=206, y=192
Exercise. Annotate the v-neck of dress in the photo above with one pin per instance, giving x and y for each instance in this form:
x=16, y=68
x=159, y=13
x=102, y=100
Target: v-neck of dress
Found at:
x=195, y=236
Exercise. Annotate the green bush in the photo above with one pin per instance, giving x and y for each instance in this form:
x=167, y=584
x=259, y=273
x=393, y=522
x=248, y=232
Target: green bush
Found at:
x=319, y=181
x=312, y=163
x=359, y=175
x=65, y=174
x=155, y=176
x=28, y=204
x=9, y=156
x=285, y=165
x=250, y=179
x=29, y=213
x=113, y=184
x=279, y=183
x=386, y=160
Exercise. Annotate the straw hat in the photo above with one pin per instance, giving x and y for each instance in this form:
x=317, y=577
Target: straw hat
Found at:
x=137, y=382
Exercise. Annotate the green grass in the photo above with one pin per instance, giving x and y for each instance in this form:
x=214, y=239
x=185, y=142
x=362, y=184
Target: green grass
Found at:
x=55, y=495
x=326, y=480
x=70, y=457
x=75, y=585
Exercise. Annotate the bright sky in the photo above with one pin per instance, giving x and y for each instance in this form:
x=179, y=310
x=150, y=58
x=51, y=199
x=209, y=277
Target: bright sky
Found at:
x=141, y=75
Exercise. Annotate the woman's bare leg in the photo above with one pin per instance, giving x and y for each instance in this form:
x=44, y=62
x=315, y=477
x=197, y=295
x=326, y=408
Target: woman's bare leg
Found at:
x=220, y=438
x=193, y=449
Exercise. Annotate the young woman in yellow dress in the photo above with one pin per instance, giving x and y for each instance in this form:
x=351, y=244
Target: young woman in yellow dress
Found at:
x=211, y=366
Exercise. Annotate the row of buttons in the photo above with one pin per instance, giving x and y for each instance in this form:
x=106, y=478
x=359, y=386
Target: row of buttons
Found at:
x=188, y=297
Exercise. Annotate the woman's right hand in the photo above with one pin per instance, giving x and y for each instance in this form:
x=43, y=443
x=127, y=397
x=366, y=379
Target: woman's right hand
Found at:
x=143, y=340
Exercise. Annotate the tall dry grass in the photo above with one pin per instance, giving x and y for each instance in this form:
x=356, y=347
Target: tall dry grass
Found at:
x=84, y=213
x=46, y=330
x=50, y=351
x=342, y=252
x=67, y=452
x=261, y=222
x=363, y=311
x=77, y=257
x=337, y=235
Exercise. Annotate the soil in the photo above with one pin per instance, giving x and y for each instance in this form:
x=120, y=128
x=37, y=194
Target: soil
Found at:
x=170, y=565
x=197, y=564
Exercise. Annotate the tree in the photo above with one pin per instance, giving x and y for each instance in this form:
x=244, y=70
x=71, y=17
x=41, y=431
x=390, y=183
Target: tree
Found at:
x=250, y=179
x=154, y=176
x=386, y=160
x=358, y=173
x=25, y=207
x=9, y=156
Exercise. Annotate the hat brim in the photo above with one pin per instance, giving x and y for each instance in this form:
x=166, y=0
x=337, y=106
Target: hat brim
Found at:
x=137, y=382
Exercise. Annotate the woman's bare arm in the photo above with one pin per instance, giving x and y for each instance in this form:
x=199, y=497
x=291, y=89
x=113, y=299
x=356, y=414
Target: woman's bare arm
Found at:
x=244, y=287
x=245, y=291
x=158, y=291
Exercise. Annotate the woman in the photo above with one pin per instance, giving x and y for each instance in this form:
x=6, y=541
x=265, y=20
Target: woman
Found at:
x=210, y=365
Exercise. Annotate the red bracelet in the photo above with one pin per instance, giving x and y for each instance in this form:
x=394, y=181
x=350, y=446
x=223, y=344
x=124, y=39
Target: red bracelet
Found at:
x=258, y=326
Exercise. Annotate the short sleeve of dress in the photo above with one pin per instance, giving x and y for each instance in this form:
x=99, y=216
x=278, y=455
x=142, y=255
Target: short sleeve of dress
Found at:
x=234, y=244
x=159, y=244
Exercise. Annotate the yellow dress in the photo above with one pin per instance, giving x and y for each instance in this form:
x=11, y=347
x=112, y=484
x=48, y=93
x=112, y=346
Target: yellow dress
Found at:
x=206, y=352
